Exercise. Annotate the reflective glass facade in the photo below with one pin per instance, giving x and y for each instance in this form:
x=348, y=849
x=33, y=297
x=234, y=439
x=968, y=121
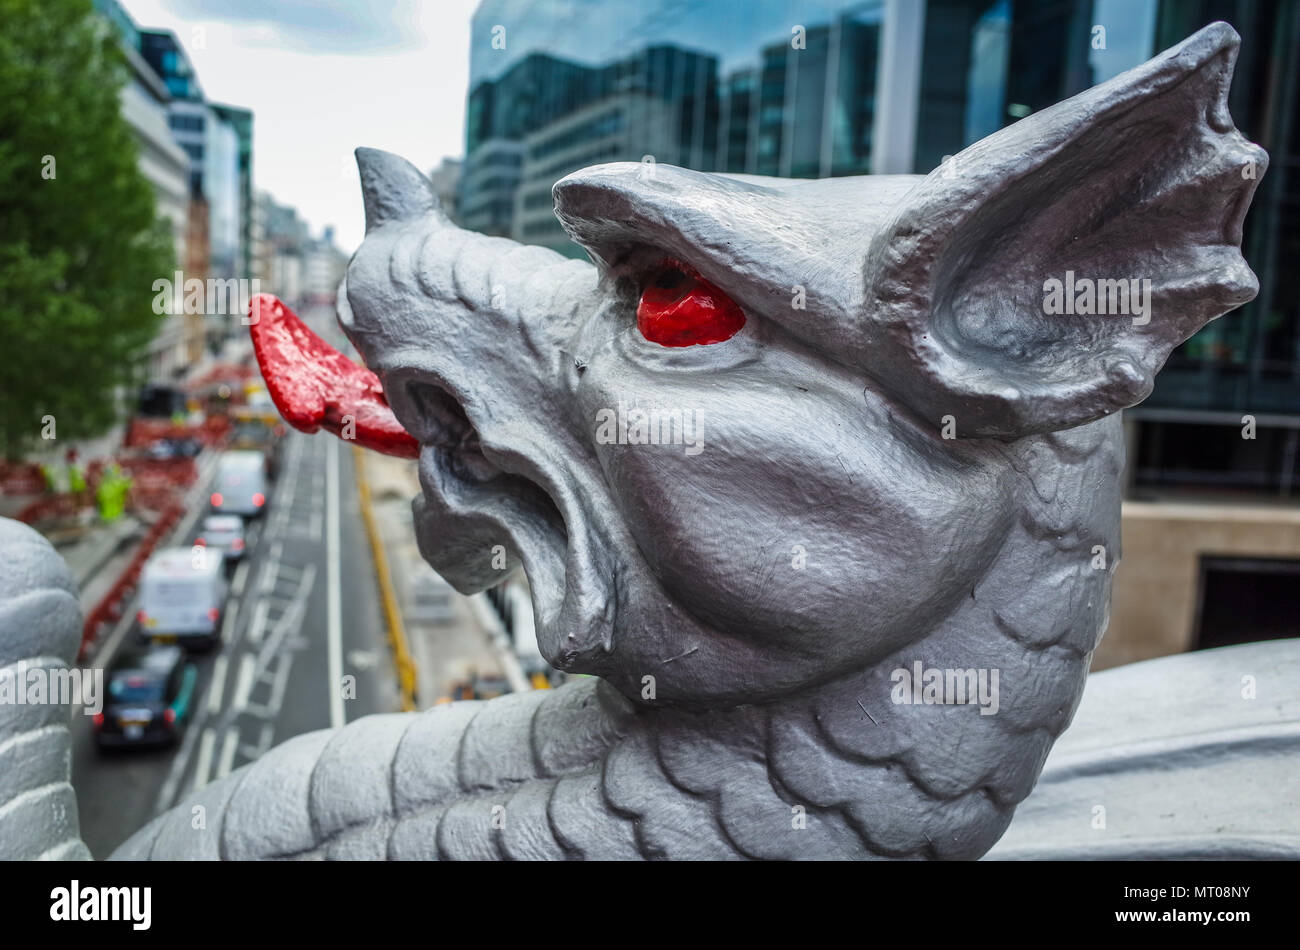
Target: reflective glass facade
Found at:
x=813, y=89
x=241, y=121
x=718, y=87
x=1250, y=360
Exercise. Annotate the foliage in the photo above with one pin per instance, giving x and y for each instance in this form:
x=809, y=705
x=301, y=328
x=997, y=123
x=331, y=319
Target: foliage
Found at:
x=80, y=243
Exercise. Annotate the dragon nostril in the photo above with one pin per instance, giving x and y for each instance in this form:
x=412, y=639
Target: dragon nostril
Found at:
x=442, y=422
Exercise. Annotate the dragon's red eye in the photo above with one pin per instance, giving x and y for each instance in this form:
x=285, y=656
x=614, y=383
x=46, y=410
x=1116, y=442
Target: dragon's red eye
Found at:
x=681, y=308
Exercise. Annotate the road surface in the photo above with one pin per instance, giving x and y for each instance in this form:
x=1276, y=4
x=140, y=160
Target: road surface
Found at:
x=303, y=613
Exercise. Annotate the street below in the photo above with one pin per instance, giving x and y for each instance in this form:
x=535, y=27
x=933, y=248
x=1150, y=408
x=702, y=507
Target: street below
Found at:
x=290, y=641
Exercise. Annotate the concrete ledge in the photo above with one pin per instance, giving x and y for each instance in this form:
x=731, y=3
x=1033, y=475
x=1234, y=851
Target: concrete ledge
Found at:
x=1183, y=757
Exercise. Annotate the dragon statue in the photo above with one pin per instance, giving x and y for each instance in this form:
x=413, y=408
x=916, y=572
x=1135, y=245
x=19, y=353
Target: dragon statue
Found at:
x=908, y=459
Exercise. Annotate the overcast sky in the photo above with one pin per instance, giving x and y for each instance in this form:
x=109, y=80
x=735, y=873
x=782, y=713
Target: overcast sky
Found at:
x=324, y=76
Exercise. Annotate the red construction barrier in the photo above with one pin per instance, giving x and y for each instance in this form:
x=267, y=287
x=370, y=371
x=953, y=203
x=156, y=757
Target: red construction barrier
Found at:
x=232, y=374
x=177, y=472
x=214, y=429
x=21, y=478
x=158, y=485
x=51, y=506
x=142, y=433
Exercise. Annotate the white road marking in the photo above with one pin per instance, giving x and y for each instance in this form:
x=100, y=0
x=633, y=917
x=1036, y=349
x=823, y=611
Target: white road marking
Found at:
x=272, y=569
x=227, y=761
x=290, y=490
x=207, y=745
x=228, y=624
x=363, y=659
x=241, y=575
x=218, y=684
x=243, y=683
x=290, y=618
x=280, y=685
x=197, y=734
x=257, y=626
x=334, y=628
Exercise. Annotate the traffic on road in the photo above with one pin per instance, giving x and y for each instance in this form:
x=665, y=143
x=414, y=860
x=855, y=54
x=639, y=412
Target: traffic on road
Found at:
x=246, y=594
x=230, y=651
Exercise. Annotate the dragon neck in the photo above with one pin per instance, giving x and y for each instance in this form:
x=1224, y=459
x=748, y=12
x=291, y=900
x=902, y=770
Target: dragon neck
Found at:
x=858, y=766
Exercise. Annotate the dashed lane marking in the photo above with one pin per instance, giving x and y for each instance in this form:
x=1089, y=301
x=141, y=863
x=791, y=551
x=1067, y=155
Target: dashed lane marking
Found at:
x=207, y=745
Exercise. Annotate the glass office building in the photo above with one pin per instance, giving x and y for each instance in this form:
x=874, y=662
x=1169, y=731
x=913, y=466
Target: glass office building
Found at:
x=777, y=87
x=848, y=87
x=241, y=122
x=1248, y=362
x=716, y=87
x=218, y=141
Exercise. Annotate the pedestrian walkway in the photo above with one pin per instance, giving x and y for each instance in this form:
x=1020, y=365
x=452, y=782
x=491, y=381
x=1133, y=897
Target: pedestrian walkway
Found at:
x=88, y=556
x=450, y=640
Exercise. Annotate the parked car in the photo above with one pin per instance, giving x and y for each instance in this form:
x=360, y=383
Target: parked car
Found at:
x=149, y=699
x=224, y=534
x=240, y=486
x=172, y=448
x=183, y=597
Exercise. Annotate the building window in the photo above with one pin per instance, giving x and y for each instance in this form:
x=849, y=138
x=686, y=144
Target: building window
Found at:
x=541, y=227
x=601, y=126
x=1245, y=599
x=1208, y=457
x=186, y=123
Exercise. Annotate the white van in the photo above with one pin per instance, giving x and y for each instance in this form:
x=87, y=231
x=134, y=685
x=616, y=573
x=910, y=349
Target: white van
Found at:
x=183, y=596
x=240, y=485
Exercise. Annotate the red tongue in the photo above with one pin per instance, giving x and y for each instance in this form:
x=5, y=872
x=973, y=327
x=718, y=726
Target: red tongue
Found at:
x=316, y=387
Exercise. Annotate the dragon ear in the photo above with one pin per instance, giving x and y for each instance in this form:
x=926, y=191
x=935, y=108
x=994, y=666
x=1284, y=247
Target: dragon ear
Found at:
x=992, y=295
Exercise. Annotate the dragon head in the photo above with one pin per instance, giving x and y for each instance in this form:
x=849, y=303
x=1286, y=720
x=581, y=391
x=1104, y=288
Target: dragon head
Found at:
x=778, y=430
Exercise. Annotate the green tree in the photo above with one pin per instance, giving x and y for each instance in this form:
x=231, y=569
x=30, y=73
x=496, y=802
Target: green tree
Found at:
x=80, y=240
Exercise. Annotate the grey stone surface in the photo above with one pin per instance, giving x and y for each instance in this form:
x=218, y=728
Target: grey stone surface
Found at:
x=1186, y=757
x=745, y=608
x=40, y=630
